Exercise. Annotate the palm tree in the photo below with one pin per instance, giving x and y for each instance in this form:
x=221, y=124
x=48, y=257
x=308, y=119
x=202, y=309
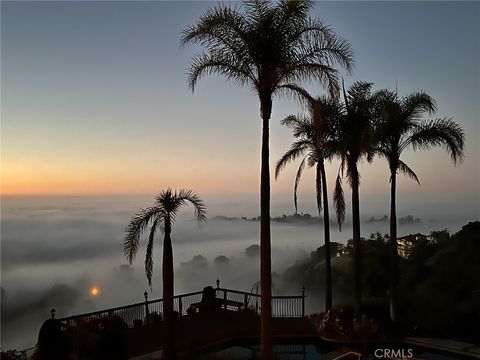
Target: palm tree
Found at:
x=162, y=215
x=266, y=46
x=315, y=137
x=355, y=141
x=401, y=127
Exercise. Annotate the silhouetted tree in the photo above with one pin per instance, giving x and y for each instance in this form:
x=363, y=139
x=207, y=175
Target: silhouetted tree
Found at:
x=355, y=141
x=315, y=143
x=13, y=355
x=401, y=127
x=162, y=215
x=266, y=46
x=440, y=236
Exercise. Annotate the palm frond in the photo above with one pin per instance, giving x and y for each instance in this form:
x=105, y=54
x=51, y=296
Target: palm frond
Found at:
x=138, y=224
x=298, y=93
x=297, y=149
x=418, y=103
x=320, y=43
x=345, y=97
x=383, y=151
x=219, y=63
x=323, y=74
x=339, y=201
x=405, y=169
x=440, y=132
x=301, y=167
x=291, y=121
x=256, y=9
x=359, y=90
x=220, y=26
x=267, y=45
x=149, y=252
x=193, y=198
x=294, y=10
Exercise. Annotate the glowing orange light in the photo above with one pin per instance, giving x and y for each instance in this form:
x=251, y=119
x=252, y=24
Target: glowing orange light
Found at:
x=94, y=291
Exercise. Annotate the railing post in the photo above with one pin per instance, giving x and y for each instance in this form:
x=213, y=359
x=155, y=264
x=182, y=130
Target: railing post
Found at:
x=303, y=301
x=245, y=301
x=225, y=298
x=180, y=307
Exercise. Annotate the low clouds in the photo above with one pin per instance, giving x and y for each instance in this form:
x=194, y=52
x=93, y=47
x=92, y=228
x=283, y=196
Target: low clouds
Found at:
x=55, y=249
x=24, y=311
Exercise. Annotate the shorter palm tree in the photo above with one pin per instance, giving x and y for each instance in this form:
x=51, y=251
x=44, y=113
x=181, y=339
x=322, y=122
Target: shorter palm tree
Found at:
x=401, y=127
x=314, y=145
x=162, y=215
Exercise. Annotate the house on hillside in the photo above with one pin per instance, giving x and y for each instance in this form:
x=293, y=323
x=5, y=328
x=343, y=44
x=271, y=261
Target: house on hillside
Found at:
x=406, y=243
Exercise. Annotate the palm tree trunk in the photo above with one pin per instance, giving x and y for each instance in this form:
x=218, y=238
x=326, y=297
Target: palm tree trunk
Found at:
x=265, y=246
x=357, y=245
x=167, y=273
x=326, y=227
x=393, y=248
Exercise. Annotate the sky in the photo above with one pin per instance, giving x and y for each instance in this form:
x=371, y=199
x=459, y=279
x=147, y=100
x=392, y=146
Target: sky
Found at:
x=95, y=101
x=94, y=104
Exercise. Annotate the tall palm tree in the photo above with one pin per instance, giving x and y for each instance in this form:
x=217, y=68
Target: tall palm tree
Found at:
x=265, y=46
x=355, y=135
x=315, y=137
x=401, y=127
x=161, y=215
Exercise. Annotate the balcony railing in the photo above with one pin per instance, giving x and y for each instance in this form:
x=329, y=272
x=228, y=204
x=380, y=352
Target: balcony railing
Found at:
x=233, y=300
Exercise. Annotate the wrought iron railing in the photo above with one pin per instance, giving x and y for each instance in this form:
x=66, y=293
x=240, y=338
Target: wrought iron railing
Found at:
x=234, y=300
x=140, y=311
x=282, y=306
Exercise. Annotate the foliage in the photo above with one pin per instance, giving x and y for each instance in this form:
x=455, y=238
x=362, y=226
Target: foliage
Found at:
x=319, y=254
x=441, y=290
x=315, y=140
x=409, y=219
x=13, y=355
x=252, y=250
x=355, y=138
x=221, y=260
x=400, y=127
x=439, y=282
x=266, y=45
x=374, y=273
x=440, y=236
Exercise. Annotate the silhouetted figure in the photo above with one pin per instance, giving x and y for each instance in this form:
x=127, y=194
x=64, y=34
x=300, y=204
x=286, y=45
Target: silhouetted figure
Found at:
x=209, y=299
x=51, y=341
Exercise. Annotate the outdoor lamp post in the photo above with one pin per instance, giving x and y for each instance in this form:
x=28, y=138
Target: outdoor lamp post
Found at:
x=147, y=313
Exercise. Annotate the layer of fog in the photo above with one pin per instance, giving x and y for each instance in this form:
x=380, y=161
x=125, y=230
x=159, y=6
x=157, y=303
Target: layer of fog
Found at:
x=54, y=250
